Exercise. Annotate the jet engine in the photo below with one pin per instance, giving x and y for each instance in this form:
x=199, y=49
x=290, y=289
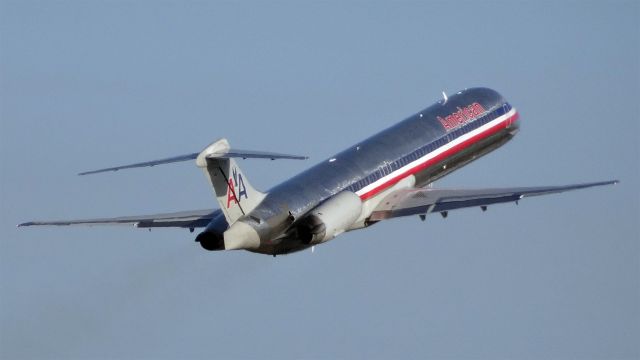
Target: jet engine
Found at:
x=211, y=241
x=212, y=238
x=330, y=219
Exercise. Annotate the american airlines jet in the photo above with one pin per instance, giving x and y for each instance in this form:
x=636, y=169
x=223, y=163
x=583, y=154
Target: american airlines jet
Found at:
x=383, y=177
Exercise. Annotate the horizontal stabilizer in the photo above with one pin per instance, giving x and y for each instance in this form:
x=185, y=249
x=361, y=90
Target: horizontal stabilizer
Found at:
x=144, y=164
x=254, y=154
x=221, y=153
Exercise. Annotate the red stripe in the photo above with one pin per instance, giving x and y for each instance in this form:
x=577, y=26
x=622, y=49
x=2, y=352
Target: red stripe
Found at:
x=442, y=156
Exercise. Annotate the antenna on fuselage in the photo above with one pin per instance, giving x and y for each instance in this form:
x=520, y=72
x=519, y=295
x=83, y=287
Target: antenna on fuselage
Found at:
x=444, y=95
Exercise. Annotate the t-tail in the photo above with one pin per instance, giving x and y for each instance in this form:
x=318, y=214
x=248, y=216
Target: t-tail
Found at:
x=235, y=194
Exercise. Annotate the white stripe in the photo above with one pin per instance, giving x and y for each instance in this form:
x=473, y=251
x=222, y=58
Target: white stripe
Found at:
x=437, y=152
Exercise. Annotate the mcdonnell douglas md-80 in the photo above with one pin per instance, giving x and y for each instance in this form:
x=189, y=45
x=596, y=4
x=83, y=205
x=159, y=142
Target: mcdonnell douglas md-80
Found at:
x=383, y=177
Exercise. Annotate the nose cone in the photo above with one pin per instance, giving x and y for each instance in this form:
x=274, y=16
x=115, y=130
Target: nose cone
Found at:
x=241, y=236
x=514, y=122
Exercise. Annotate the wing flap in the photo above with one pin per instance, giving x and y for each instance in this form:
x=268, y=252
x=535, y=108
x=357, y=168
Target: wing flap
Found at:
x=423, y=201
x=184, y=219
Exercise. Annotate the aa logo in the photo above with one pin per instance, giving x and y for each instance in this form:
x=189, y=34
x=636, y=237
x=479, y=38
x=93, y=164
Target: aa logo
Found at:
x=236, y=188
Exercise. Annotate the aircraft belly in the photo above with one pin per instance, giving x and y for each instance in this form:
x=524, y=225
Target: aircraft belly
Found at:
x=463, y=157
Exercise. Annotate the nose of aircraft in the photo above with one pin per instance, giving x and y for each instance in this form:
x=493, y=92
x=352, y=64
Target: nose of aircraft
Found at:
x=514, y=123
x=241, y=236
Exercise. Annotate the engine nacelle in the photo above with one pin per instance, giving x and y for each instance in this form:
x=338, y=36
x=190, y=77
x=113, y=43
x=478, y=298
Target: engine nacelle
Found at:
x=330, y=219
x=212, y=238
x=211, y=241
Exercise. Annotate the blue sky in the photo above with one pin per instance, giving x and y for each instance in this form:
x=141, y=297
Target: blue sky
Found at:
x=93, y=84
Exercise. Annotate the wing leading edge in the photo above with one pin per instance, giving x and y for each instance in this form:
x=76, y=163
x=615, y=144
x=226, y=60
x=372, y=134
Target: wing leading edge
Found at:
x=424, y=201
x=185, y=219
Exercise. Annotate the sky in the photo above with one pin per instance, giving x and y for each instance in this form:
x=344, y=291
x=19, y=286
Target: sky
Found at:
x=90, y=84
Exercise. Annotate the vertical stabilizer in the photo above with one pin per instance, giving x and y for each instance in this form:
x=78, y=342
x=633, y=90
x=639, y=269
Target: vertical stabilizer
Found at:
x=235, y=194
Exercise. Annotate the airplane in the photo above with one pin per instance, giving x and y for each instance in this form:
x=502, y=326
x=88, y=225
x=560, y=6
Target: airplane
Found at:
x=388, y=175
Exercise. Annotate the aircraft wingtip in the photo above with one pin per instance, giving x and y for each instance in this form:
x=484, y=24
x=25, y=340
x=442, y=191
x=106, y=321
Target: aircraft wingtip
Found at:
x=94, y=172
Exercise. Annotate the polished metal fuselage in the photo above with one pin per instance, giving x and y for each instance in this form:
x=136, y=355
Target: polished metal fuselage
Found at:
x=358, y=167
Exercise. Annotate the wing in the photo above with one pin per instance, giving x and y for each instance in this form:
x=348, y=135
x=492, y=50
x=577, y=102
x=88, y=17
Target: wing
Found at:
x=185, y=219
x=425, y=201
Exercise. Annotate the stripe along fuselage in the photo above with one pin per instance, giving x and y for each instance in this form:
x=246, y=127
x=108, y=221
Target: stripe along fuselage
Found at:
x=413, y=152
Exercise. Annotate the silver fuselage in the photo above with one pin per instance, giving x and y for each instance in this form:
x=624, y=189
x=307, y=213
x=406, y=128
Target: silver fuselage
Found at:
x=411, y=153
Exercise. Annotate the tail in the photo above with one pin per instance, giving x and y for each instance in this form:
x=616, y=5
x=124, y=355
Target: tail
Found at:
x=235, y=194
